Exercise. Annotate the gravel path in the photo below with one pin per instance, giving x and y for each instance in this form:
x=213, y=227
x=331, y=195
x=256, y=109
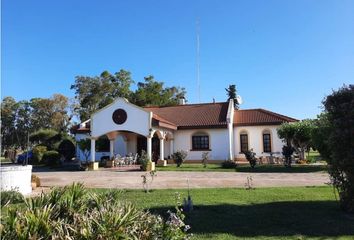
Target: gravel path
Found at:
x=108, y=178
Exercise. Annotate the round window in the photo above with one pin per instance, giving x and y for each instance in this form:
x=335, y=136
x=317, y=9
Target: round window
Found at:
x=119, y=116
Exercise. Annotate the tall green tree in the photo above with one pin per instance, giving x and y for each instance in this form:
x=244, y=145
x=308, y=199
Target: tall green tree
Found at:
x=334, y=138
x=61, y=113
x=153, y=93
x=23, y=124
x=8, y=122
x=93, y=93
x=232, y=94
x=20, y=119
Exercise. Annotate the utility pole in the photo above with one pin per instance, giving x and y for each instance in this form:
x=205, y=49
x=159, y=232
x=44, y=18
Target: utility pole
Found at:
x=198, y=59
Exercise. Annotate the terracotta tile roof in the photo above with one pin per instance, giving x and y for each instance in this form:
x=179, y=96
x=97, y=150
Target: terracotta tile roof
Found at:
x=204, y=115
x=161, y=122
x=251, y=117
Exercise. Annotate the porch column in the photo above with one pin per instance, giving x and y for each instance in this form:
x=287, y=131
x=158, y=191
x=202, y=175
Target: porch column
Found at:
x=171, y=146
x=112, y=137
x=162, y=149
x=111, y=148
x=148, y=148
x=230, y=142
x=93, y=149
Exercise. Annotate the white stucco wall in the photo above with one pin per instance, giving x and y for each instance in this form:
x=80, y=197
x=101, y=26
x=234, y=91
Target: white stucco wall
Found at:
x=16, y=177
x=255, y=139
x=218, y=141
x=138, y=120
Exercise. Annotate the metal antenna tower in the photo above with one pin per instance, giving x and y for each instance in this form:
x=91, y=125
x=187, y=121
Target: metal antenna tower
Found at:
x=198, y=59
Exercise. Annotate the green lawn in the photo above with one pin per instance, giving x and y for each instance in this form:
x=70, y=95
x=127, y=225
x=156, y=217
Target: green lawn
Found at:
x=244, y=168
x=5, y=160
x=264, y=213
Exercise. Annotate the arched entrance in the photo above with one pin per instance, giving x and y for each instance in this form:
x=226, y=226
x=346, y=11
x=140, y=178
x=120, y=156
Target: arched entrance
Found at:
x=155, y=146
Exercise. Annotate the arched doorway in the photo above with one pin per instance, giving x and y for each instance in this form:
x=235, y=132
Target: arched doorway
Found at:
x=155, y=146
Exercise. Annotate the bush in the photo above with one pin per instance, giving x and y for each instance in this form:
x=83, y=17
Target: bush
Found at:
x=179, y=157
x=333, y=137
x=205, y=158
x=287, y=151
x=73, y=212
x=67, y=149
x=251, y=157
x=103, y=161
x=35, y=179
x=51, y=158
x=38, y=152
x=228, y=164
x=143, y=160
x=48, y=137
x=11, y=197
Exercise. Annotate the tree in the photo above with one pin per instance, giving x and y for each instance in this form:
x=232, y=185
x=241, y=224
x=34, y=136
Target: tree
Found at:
x=320, y=134
x=61, y=113
x=8, y=118
x=232, y=94
x=153, y=93
x=46, y=137
x=67, y=149
x=41, y=113
x=297, y=135
x=20, y=119
x=23, y=124
x=85, y=147
x=93, y=93
x=334, y=139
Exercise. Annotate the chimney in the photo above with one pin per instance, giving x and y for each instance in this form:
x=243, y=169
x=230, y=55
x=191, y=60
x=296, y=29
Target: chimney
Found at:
x=182, y=101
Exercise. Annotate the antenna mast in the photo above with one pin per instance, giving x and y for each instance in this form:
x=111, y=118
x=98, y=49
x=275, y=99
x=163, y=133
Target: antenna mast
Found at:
x=198, y=60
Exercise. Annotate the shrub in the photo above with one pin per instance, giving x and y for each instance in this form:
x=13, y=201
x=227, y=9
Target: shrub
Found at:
x=51, y=158
x=35, y=179
x=11, y=197
x=67, y=149
x=48, y=137
x=85, y=147
x=143, y=160
x=179, y=157
x=287, y=151
x=73, y=212
x=103, y=161
x=205, y=158
x=251, y=157
x=228, y=164
x=38, y=152
x=333, y=137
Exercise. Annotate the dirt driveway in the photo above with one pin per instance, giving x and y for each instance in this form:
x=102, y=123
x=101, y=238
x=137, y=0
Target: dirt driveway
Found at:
x=108, y=178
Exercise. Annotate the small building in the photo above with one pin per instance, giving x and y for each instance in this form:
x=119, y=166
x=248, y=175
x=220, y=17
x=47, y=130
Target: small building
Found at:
x=217, y=128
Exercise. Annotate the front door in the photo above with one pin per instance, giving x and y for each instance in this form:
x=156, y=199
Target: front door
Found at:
x=155, y=148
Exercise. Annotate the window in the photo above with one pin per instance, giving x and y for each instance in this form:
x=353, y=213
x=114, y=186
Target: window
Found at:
x=267, y=142
x=200, y=142
x=244, y=142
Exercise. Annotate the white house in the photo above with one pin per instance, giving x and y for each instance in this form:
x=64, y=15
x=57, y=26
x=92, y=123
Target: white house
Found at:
x=196, y=128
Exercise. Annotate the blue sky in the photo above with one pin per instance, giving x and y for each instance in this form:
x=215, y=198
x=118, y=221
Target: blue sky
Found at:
x=284, y=56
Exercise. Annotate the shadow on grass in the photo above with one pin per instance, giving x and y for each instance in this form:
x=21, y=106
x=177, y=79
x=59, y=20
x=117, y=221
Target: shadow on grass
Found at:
x=308, y=218
x=282, y=169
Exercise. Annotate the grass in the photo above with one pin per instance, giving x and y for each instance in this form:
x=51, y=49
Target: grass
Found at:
x=265, y=213
x=245, y=168
x=4, y=160
x=313, y=156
